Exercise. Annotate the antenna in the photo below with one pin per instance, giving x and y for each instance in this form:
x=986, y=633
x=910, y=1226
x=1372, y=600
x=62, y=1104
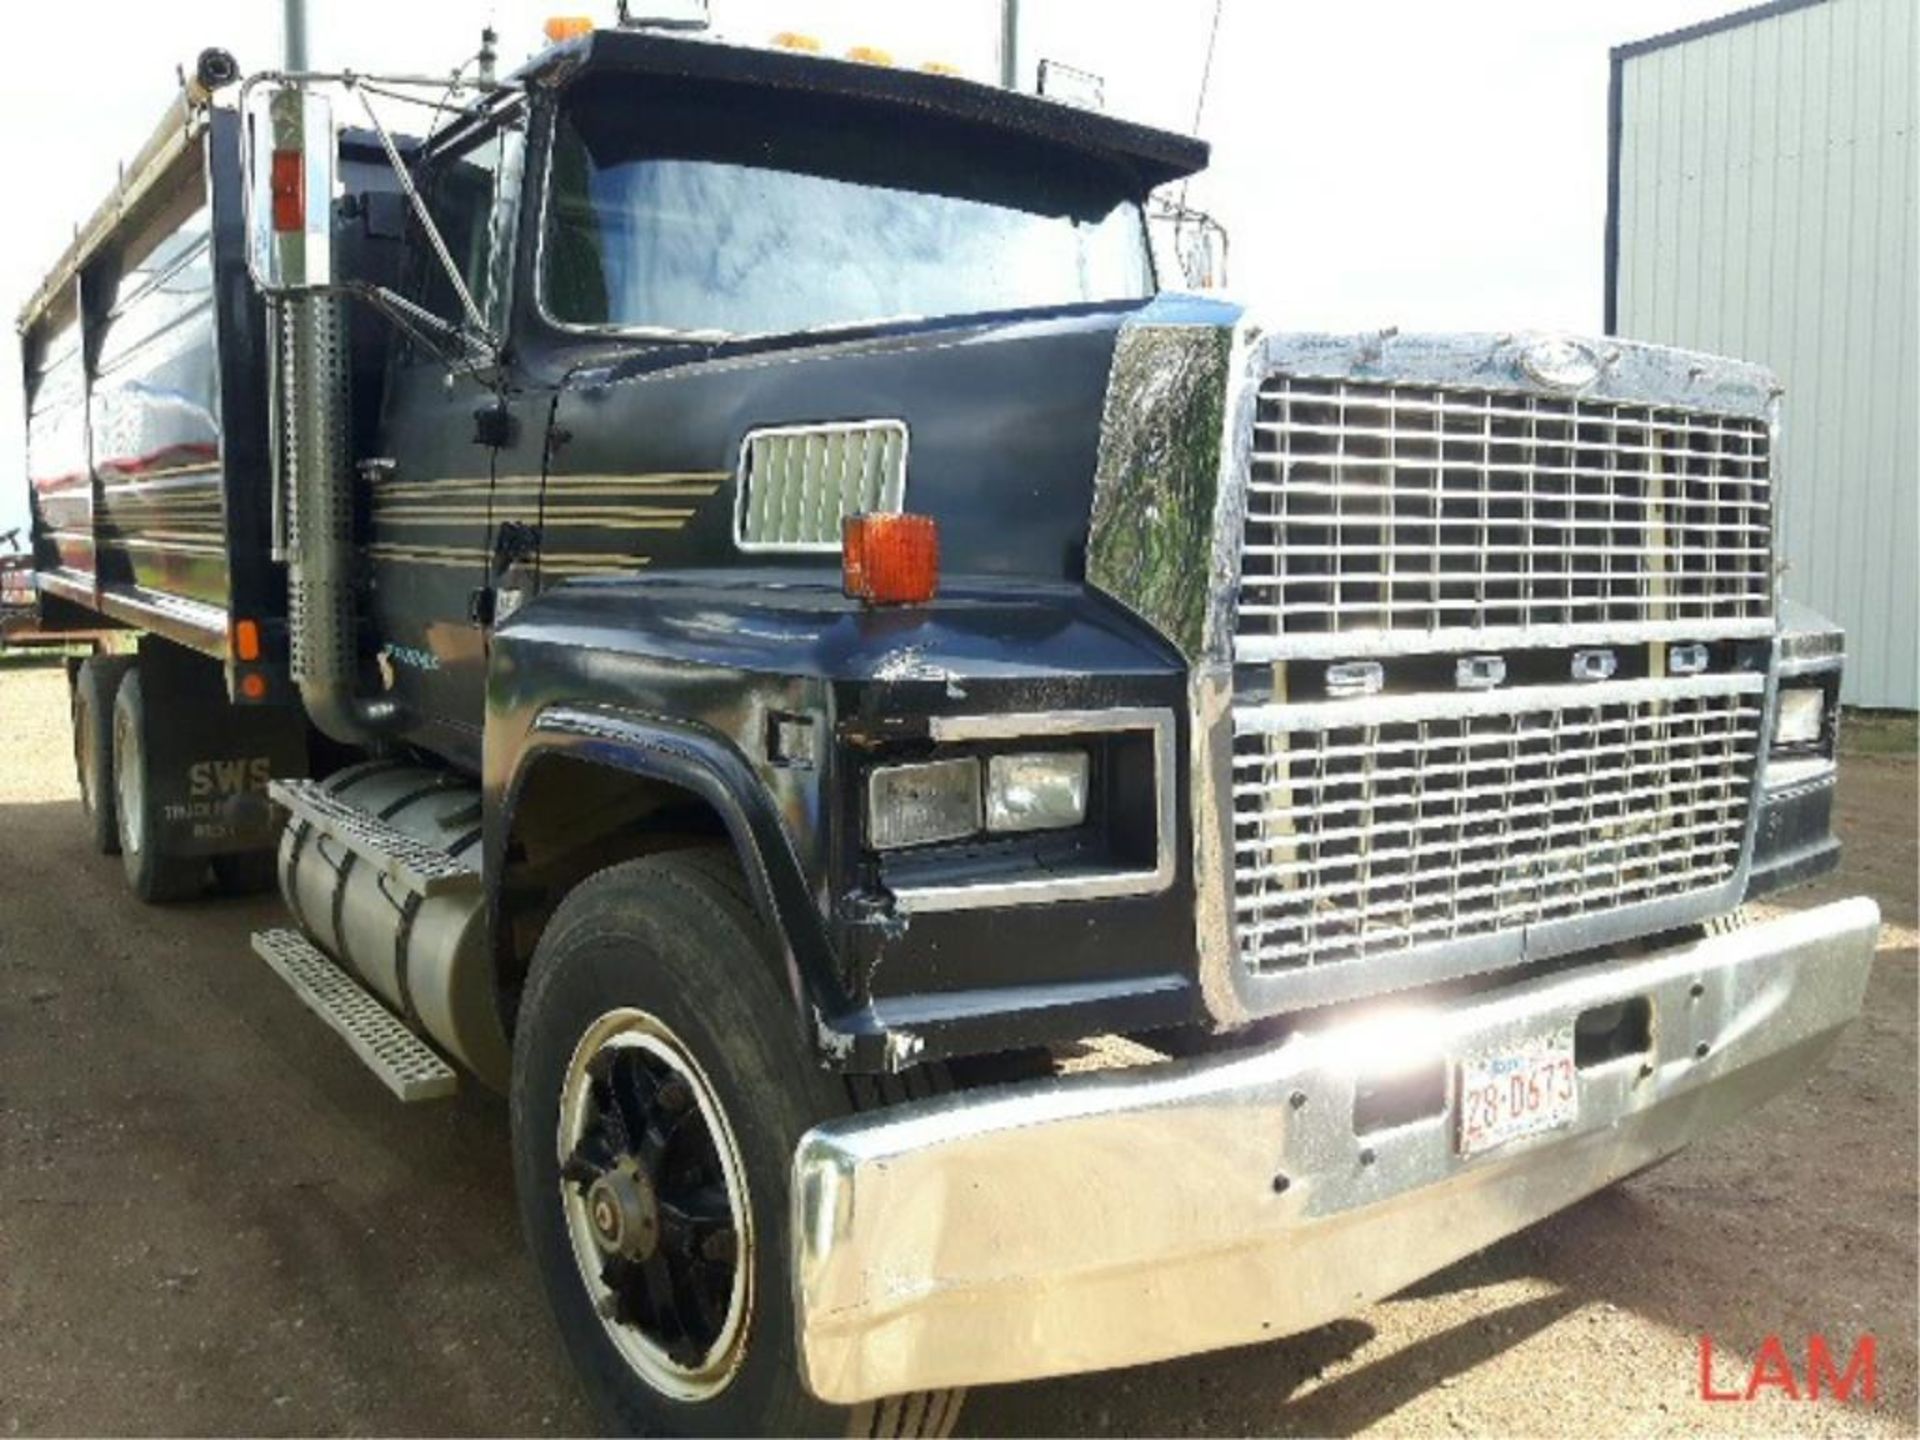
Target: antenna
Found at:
x=1206, y=78
x=1206, y=70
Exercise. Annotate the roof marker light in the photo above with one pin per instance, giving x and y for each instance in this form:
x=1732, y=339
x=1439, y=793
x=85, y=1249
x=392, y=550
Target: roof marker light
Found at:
x=870, y=55
x=562, y=28
x=794, y=40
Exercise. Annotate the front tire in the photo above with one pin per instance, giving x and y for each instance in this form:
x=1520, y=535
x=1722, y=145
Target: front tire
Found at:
x=659, y=1090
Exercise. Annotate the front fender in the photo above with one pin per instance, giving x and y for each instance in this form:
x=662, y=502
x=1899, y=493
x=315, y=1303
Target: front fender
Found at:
x=706, y=766
x=689, y=680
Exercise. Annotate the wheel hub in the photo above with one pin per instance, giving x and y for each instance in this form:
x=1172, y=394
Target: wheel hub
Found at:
x=626, y=1219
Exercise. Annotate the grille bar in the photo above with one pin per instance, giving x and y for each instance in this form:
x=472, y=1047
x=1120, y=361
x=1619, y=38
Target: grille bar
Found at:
x=1366, y=827
x=1377, y=509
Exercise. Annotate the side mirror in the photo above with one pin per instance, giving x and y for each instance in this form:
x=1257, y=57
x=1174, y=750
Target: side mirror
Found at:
x=1191, y=242
x=290, y=163
x=1202, y=242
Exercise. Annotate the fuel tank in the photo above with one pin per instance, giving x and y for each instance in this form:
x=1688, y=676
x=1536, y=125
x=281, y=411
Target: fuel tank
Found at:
x=425, y=957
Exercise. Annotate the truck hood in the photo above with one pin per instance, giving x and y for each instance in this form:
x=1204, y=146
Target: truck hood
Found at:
x=1002, y=416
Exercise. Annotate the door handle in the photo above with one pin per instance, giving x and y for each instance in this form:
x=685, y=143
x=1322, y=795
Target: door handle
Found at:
x=494, y=425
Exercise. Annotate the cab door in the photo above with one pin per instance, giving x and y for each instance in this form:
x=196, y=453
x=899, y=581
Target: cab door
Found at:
x=431, y=483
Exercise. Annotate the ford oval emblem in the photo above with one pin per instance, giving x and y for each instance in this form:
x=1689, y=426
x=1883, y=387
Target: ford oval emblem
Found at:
x=1561, y=363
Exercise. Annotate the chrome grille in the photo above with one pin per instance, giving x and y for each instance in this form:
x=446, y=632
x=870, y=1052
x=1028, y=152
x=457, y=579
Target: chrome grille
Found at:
x=1403, y=509
x=1365, y=827
x=798, y=483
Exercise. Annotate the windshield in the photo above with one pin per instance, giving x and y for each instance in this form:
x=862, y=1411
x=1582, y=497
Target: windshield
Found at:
x=695, y=209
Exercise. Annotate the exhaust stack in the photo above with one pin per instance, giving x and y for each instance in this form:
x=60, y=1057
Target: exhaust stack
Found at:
x=319, y=480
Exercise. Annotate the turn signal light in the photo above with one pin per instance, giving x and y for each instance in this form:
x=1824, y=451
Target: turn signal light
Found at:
x=288, y=182
x=890, y=559
x=253, y=685
x=562, y=28
x=246, y=640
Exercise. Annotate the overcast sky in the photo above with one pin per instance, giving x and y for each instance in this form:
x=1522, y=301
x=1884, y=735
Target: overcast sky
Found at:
x=1430, y=165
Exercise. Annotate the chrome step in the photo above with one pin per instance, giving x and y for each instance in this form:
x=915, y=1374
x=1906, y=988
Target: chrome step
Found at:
x=409, y=862
x=405, y=1063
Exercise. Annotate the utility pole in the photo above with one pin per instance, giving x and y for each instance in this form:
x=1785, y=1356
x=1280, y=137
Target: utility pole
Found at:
x=1009, y=43
x=293, y=31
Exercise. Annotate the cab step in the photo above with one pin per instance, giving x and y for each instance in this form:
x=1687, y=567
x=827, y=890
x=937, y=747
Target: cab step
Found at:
x=408, y=862
x=405, y=1063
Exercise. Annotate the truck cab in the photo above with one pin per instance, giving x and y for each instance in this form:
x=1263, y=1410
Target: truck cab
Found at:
x=989, y=818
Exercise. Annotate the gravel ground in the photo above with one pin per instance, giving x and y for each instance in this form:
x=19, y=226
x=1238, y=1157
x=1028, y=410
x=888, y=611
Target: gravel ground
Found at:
x=212, y=1221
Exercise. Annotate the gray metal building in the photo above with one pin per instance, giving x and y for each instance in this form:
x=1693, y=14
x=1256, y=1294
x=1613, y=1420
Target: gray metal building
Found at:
x=1762, y=194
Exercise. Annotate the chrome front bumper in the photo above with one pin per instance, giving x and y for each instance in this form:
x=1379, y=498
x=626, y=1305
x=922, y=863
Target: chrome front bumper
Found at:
x=1128, y=1216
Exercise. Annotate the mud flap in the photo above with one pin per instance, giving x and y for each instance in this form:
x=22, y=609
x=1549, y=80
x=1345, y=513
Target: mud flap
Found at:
x=210, y=761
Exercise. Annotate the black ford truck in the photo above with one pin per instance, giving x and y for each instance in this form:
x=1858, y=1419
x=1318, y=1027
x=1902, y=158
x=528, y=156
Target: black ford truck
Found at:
x=989, y=820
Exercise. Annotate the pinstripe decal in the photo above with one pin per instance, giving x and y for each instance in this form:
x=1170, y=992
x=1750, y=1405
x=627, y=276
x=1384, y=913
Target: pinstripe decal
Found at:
x=571, y=510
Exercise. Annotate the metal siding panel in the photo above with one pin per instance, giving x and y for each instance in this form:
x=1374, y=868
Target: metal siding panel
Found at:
x=1767, y=204
x=1675, y=233
x=1710, y=190
x=1631, y=174
x=1640, y=186
x=1896, y=361
x=1856, y=145
x=1735, y=254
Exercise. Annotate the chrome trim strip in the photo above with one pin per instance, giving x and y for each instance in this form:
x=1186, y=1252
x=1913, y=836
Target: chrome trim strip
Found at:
x=1354, y=644
x=1140, y=1214
x=1630, y=372
x=1452, y=705
x=1105, y=885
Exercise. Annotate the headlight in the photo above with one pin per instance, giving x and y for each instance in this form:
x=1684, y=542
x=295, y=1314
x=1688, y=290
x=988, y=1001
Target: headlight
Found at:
x=923, y=804
x=1044, y=791
x=1801, y=715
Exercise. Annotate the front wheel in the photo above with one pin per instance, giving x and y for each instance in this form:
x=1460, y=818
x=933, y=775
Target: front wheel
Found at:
x=659, y=1090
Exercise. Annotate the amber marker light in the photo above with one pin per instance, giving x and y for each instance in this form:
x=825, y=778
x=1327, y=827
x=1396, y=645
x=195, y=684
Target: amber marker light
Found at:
x=794, y=40
x=246, y=640
x=870, y=55
x=890, y=559
x=561, y=28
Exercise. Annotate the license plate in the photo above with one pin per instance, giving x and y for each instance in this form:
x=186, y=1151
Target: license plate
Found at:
x=1519, y=1089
